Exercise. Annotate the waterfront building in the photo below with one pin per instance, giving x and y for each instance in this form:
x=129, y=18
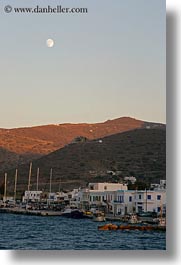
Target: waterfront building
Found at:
x=99, y=195
x=32, y=196
x=106, y=186
x=124, y=202
x=113, y=200
x=150, y=201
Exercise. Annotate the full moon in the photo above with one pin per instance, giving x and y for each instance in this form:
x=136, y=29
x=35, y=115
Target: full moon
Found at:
x=49, y=43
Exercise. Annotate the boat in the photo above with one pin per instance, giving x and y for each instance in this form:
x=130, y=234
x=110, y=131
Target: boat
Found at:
x=133, y=219
x=107, y=227
x=99, y=217
x=128, y=227
x=88, y=214
x=73, y=213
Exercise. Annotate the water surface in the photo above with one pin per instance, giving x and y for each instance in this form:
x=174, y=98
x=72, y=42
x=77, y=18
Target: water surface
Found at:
x=59, y=233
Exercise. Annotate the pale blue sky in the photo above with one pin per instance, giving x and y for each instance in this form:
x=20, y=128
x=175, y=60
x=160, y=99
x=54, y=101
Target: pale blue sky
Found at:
x=105, y=64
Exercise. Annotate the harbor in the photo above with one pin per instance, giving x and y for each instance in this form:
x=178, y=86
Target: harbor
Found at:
x=99, y=202
x=58, y=233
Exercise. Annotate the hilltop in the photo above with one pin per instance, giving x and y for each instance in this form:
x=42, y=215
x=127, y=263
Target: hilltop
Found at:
x=21, y=145
x=138, y=152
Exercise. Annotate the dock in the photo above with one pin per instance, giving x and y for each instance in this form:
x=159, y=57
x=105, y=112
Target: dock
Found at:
x=30, y=212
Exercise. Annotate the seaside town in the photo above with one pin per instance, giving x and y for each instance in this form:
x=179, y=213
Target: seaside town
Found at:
x=98, y=201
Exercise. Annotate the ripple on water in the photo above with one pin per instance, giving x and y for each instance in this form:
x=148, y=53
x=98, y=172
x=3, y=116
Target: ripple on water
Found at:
x=36, y=232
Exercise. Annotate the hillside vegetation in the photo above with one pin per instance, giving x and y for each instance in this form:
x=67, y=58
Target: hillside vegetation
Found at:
x=139, y=152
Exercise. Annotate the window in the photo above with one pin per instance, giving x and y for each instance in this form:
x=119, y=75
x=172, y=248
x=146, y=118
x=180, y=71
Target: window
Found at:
x=121, y=199
x=140, y=209
x=130, y=198
x=158, y=209
x=105, y=187
x=158, y=197
x=140, y=197
x=149, y=197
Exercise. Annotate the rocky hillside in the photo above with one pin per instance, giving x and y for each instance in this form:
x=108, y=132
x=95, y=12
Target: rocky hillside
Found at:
x=21, y=145
x=139, y=152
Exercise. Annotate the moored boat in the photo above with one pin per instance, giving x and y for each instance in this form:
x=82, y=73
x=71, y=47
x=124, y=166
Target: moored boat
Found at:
x=107, y=227
x=73, y=213
x=99, y=217
x=133, y=219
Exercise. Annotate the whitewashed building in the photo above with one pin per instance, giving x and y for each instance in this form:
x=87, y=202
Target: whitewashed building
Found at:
x=131, y=179
x=124, y=202
x=33, y=196
x=159, y=186
x=150, y=201
x=118, y=200
x=99, y=194
x=106, y=186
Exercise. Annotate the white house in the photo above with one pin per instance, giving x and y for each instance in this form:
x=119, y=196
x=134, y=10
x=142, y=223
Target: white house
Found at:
x=161, y=185
x=98, y=194
x=124, y=202
x=131, y=179
x=105, y=186
x=150, y=201
x=33, y=196
x=121, y=201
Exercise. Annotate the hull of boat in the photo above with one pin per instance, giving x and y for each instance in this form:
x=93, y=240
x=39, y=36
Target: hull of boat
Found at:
x=74, y=214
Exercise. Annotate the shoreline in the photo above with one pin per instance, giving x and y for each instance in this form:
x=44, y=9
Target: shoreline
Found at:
x=30, y=212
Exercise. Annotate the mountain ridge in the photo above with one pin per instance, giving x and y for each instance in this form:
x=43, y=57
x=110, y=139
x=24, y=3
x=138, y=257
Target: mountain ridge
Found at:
x=28, y=143
x=139, y=152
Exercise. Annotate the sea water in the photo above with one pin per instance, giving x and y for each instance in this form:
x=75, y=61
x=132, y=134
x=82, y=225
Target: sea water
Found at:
x=60, y=233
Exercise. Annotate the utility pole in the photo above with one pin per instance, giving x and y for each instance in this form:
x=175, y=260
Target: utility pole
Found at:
x=5, y=186
x=15, y=183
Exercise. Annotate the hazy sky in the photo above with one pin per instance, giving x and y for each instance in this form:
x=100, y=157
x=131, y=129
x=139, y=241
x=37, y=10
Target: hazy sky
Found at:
x=105, y=64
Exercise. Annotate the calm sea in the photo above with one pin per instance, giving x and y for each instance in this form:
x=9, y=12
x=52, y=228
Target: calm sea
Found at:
x=36, y=232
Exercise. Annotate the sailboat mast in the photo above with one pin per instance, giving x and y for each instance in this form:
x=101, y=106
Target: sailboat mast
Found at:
x=29, y=177
x=59, y=184
x=5, y=186
x=51, y=171
x=37, y=179
x=15, y=183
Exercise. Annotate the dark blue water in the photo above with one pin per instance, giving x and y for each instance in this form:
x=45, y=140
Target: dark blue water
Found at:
x=36, y=232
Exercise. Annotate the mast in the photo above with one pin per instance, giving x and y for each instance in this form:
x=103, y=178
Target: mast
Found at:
x=5, y=186
x=29, y=177
x=59, y=184
x=51, y=171
x=37, y=178
x=15, y=183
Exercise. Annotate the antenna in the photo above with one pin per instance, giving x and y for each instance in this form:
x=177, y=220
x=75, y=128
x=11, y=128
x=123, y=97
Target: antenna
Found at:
x=29, y=177
x=15, y=183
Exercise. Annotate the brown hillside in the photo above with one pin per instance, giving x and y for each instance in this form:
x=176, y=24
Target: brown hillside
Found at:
x=26, y=144
x=47, y=138
x=139, y=152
